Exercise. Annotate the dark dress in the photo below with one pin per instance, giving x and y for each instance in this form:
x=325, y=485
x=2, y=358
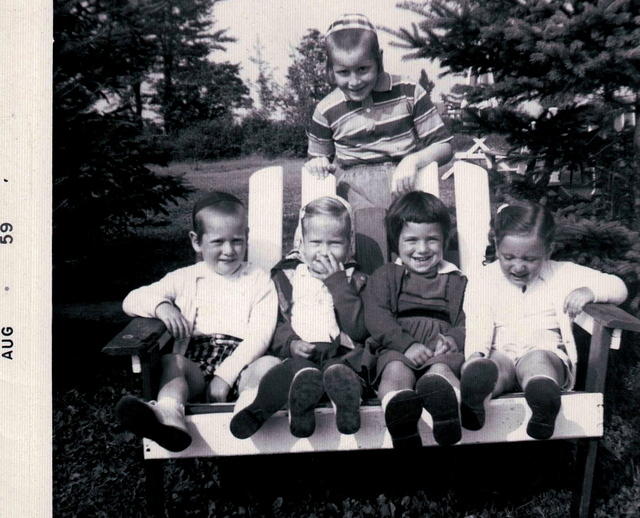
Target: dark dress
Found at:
x=402, y=307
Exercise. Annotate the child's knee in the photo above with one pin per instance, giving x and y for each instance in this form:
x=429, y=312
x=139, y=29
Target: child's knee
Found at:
x=441, y=368
x=256, y=371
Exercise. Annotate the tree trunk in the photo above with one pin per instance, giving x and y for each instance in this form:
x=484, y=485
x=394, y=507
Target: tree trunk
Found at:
x=137, y=95
x=635, y=185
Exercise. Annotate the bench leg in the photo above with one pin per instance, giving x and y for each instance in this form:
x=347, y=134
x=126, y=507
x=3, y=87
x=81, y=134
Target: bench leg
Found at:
x=154, y=488
x=585, y=462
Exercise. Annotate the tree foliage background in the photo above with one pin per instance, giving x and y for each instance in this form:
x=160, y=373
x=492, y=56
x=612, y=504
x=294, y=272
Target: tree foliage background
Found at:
x=576, y=63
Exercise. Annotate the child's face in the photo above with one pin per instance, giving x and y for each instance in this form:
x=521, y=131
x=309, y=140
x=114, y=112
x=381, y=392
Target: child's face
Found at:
x=521, y=257
x=324, y=235
x=224, y=241
x=420, y=246
x=355, y=72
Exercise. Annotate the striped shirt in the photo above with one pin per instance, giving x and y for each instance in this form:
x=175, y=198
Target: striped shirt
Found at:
x=397, y=119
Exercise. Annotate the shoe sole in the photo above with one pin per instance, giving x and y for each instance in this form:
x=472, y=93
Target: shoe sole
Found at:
x=401, y=416
x=543, y=397
x=246, y=422
x=478, y=380
x=272, y=396
x=344, y=391
x=304, y=394
x=138, y=417
x=439, y=399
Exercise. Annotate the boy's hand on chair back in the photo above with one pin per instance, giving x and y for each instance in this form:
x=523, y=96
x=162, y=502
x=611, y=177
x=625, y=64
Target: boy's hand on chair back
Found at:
x=320, y=167
x=173, y=319
x=404, y=176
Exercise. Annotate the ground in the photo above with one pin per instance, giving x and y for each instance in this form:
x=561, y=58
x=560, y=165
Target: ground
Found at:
x=98, y=467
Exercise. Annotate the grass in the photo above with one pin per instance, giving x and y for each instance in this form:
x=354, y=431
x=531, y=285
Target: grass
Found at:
x=98, y=467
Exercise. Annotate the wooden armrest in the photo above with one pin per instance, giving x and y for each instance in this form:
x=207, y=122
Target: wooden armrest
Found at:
x=138, y=337
x=612, y=317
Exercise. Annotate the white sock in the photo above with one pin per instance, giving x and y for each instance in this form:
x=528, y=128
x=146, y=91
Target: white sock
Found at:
x=245, y=398
x=170, y=403
x=387, y=397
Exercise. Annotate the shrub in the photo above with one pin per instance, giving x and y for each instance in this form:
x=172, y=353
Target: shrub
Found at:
x=273, y=138
x=102, y=187
x=208, y=140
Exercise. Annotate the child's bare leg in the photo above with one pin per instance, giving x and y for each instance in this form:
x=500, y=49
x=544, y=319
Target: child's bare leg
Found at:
x=402, y=406
x=396, y=376
x=541, y=374
x=180, y=380
x=250, y=379
x=481, y=379
x=164, y=422
x=438, y=389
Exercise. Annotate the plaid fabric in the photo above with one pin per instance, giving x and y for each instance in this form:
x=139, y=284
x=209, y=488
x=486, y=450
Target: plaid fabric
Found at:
x=210, y=351
x=396, y=120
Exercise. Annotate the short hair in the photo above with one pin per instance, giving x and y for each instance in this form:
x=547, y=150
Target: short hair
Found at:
x=415, y=207
x=327, y=206
x=348, y=39
x=221, y=202
x=521, y=218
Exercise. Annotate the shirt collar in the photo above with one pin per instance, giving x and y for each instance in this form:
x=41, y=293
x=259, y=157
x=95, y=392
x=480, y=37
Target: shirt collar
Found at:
x=384, y=83
x=443, y=266
x=203, y=271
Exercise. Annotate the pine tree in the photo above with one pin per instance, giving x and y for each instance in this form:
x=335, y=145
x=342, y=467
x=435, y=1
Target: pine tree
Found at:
x=306, y=78
x=576, y=63
x=184, y=35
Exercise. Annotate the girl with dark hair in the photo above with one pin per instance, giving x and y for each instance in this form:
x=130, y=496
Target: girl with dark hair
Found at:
x=520, y=311
x=413, y=310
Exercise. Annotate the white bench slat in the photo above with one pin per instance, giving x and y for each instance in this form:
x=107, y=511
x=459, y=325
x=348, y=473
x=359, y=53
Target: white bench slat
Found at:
x=265, y=217
x=313, y=187
x=427, y=180
x=473, y=213
x=581, y=415
x=585, y=321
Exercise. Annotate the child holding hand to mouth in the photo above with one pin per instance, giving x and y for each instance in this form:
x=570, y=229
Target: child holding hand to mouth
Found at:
x=320, y=327
x=413, y=310
x=519, y=333
x=378, y=129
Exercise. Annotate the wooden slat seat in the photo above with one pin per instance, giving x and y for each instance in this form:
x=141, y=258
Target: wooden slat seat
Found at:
x=581, y=416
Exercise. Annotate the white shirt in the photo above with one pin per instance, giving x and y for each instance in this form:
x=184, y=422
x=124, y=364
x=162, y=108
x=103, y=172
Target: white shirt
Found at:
x=243, y=304
x=313, y=315
x=492, y=299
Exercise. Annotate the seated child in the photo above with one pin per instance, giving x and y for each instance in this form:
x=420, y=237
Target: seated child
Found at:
x=222, y=312
x=520, y=310
x=380, y=128
x=320, y=326
x=413, y=310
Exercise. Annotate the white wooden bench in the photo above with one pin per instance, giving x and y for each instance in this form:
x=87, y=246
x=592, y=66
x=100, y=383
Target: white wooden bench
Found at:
x=581, y=415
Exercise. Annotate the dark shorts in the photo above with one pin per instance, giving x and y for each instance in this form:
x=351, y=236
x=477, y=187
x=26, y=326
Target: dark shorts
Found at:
x=210, y=351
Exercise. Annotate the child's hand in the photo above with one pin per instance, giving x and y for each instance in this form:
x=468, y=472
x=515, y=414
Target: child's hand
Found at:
x=445, y=344
x=301, y=348
x=329, y=264
x=418, y=353
x=577, y=300
x=218, y=390
x=404, y=176
x=173, y=319
x=320, y=167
